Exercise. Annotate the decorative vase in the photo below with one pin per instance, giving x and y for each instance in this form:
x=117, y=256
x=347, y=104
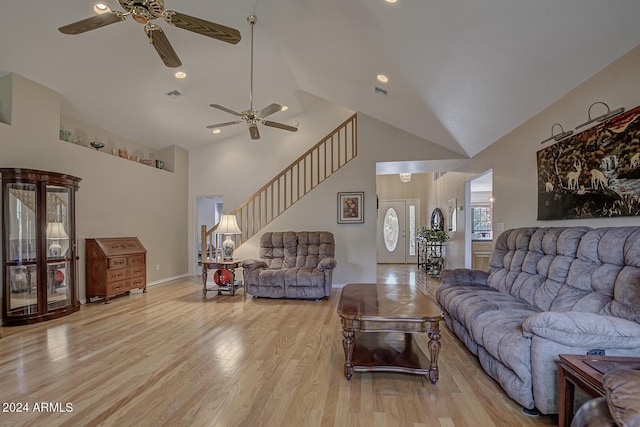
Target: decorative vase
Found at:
x=228, y=246
x=65, y=135
x=159, y=164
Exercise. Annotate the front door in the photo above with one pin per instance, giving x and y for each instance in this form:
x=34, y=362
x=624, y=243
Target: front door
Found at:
x=396, y=231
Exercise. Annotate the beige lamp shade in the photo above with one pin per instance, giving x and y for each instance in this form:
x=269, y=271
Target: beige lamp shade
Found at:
x=228, y=225
x=55, y=230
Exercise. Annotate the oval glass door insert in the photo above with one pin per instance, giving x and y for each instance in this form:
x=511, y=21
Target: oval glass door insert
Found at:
x=391, y=229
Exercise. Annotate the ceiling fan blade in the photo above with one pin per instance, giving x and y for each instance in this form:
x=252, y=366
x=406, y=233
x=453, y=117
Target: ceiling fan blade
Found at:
x=201, y=26
x=219, y=125
x=279, y=125
x=161, y=43
x=255, y=133
x=93, y=23
x=225, y=109
x=269, y=110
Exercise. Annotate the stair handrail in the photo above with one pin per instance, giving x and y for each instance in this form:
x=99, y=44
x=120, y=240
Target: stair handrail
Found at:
x=246, y=234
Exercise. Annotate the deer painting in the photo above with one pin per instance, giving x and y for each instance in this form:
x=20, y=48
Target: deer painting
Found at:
x=598, y=179
x=548, y=186
x=572, y=177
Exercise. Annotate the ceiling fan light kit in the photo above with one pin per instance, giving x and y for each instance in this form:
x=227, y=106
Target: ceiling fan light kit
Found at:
x=250, y=116
x=146, y=11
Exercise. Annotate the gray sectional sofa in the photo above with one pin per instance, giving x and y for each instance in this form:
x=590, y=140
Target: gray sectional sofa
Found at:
x=292, y=265
x=548, y=291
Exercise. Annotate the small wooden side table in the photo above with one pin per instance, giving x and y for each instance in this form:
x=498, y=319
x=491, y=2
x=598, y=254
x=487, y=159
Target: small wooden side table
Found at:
x=230, y=265
x=585, y=372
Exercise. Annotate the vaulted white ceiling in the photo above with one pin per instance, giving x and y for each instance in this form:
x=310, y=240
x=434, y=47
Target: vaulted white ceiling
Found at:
x=463, y=73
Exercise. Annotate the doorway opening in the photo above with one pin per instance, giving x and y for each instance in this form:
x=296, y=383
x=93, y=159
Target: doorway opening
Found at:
x=479, y=227
x=209, y=211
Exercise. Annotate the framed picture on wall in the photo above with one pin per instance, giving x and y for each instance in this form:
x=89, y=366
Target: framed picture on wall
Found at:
x=351, y=207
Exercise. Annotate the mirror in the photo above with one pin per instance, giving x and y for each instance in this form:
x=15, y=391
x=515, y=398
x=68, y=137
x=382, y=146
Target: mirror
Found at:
x=437, y=219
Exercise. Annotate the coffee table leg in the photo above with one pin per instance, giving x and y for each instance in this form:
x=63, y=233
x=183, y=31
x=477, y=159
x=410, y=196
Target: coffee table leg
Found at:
x=348, y=344
x=434, y=351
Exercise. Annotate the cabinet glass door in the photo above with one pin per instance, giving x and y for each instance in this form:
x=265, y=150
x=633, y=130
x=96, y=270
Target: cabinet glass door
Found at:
x=58, y=251
x=20, y=223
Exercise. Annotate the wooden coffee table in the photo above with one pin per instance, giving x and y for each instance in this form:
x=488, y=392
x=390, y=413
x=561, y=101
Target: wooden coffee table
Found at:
x=378, y=325
x=586, y=373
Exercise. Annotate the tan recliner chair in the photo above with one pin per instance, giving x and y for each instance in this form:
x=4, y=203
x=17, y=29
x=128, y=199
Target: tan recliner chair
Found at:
x=620, y=406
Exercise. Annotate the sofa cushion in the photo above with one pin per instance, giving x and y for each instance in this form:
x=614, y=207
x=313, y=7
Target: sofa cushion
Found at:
x=500, y=333
x=303, y=276
x=605, y=276
x=313, y=246
x=278, y=249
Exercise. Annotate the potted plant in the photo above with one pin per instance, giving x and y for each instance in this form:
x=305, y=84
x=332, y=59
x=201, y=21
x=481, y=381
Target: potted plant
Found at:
x=430, y=235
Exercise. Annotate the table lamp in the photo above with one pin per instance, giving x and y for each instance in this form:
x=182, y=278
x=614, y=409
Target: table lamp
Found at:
x=55, y=233
x=228, y=226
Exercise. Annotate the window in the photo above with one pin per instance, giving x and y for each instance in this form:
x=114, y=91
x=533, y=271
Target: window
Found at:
x=481, y=219
x=412, y=230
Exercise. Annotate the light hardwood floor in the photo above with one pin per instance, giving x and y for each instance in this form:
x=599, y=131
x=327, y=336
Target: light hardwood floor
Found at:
x=166, y=358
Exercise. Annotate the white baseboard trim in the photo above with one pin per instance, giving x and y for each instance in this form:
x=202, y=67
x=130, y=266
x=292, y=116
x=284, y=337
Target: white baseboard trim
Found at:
x=154, y=283
x=168, y=279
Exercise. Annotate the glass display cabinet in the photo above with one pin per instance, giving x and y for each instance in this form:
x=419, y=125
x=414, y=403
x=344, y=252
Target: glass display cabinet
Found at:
x=38, y=245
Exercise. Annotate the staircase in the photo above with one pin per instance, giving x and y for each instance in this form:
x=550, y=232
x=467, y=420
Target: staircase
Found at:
x=296, y=181
x=56, y=207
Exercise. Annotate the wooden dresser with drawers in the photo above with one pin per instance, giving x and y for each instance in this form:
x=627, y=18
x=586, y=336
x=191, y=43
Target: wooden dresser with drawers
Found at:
x=114, y=265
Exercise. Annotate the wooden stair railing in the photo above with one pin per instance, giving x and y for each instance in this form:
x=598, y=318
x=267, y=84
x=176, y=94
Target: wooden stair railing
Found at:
x=292, y=184
x=55, y=205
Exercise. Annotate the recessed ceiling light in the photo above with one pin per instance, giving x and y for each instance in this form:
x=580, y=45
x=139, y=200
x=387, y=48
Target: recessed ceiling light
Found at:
x=217, y=131
x=382, y=78
x=284, y=108
x=391, y=1
x=100, y=8
x=180, y=74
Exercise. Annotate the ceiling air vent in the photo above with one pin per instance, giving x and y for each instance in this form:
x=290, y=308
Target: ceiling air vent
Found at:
x=378, y=89
x=174, y=94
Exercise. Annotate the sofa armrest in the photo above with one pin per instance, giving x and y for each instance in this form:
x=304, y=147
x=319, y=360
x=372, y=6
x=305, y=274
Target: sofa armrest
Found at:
x=581, y=329
x=464, y=276
x=327, y=264
x=252, y=264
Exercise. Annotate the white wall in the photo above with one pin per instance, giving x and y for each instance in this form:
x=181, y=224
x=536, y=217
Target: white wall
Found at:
x=256, y=162
x=513, y=157
x=117, y=197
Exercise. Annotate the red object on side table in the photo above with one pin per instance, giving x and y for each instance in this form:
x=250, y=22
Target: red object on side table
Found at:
x=222, y=277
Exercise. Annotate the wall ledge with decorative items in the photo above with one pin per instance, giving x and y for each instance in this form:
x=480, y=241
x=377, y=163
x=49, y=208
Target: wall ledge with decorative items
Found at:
x=88, y=136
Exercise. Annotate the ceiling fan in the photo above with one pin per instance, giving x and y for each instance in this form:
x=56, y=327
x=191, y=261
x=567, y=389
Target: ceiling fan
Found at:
x=145, y=11
x=250, y=116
